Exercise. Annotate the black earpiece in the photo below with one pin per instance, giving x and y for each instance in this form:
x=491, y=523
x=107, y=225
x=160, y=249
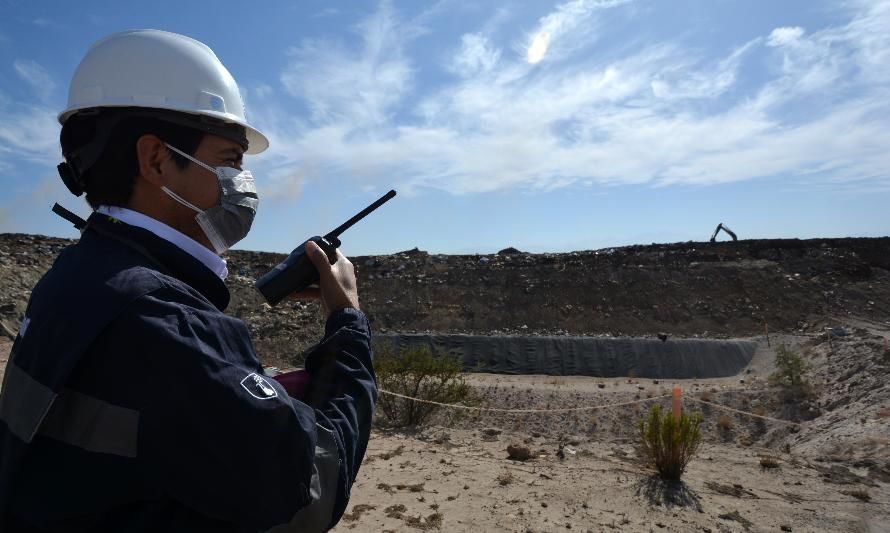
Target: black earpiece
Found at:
x=70, y=178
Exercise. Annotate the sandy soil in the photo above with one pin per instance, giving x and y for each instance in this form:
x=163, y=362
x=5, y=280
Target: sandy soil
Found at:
x=455, y=480
x=583, y=474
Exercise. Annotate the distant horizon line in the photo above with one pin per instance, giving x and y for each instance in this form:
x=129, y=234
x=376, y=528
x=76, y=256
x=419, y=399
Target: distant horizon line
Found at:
x=505, y=252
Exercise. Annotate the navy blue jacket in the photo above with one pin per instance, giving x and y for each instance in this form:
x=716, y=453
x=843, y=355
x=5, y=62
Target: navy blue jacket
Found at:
x=131, y=402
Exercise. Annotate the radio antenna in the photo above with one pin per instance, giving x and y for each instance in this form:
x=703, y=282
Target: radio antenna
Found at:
x=362, y=214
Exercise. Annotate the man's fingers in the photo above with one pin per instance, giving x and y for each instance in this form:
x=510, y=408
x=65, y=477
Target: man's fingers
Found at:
x=319, y=259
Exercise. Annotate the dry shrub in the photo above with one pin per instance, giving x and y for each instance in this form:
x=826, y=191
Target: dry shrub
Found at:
x=505, y=478
x=859, y=494
x=433, y=521
x=386, y=456
x=706, y=396
x=725, y=423
x=357, y=512
x=395, y=511
x=668, y=444
x=768, y=462
x=418, y=372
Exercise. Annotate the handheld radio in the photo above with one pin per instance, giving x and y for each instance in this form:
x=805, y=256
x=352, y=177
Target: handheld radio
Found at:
x=297, y=272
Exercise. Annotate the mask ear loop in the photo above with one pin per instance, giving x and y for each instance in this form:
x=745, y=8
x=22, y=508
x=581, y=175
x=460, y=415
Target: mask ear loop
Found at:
x=175, y=196
x=192, y=159
x=181, y=200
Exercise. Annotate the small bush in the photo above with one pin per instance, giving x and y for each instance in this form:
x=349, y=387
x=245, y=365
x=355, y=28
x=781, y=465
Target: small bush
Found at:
x=791, y=375
x=724, y=422
x=418, y=372
x=860, y=494
x=505, y=478
x=668, y=444
x=768, y=462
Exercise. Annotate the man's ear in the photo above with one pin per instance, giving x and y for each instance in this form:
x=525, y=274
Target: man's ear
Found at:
x=151, y=153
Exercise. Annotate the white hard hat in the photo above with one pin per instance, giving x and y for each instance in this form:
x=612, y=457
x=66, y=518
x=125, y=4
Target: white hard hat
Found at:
x=159, y=70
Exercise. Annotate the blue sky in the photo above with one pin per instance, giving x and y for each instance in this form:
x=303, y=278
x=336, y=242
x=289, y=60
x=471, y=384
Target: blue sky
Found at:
x=547, y=126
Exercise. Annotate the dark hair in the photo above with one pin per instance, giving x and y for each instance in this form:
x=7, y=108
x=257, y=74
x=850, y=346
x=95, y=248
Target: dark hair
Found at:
x=110, y=180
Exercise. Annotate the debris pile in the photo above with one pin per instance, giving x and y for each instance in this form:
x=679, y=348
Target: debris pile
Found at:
x=691, y=289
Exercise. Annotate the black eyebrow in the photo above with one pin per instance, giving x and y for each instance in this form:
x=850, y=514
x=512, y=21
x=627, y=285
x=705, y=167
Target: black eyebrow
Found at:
x=232, y=151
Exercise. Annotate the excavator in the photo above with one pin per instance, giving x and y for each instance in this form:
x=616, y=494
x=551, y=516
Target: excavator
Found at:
x=722, y=226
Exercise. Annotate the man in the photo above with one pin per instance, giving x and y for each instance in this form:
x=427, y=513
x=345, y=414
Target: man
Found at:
x=130, y=401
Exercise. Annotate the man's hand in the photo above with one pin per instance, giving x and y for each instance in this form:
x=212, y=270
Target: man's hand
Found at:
x=336, y=283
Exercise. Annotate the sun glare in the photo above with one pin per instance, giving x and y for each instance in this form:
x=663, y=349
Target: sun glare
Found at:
x=538, y=47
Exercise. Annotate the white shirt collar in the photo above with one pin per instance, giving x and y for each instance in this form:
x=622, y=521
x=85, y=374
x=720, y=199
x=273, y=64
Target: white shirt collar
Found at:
x=215, y=263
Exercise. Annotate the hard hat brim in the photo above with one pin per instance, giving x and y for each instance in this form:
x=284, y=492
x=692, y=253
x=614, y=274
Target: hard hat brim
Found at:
x=256, y=141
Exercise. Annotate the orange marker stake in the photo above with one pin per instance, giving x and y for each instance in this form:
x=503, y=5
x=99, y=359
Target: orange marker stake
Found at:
x=676, y=397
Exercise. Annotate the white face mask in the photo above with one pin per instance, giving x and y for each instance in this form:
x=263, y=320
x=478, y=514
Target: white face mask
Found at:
x=230, y=221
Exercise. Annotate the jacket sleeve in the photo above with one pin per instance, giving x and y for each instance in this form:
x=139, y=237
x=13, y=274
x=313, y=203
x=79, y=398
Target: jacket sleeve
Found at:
x=214, y=434
x=343, y=392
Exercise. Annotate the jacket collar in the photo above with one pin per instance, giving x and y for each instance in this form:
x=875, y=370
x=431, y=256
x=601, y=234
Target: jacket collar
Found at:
x=163, y=256
x=197, y=250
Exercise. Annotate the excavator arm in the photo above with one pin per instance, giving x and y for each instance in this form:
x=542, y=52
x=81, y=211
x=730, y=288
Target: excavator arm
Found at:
x=723, y=227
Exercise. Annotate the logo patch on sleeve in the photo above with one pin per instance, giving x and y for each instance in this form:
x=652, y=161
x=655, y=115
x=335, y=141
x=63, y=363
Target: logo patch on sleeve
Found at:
x=258, y=387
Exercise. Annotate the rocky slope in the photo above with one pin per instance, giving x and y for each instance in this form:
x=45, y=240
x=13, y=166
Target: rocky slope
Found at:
x=683, y=289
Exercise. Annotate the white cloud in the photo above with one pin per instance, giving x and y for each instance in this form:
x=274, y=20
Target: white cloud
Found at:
x=681, y=80
x=46, y=23
x=29, y=132
x=476, y=55
x=658, y=113
x=870, y=34
x=359, y=88
x=784, y=36
x=564, y=26
x=36, y=76
x=538, y=48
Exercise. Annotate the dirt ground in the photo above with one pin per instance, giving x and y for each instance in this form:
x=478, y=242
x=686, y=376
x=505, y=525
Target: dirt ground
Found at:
x=584, y=474
x=829, y=474
x=453, y=480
